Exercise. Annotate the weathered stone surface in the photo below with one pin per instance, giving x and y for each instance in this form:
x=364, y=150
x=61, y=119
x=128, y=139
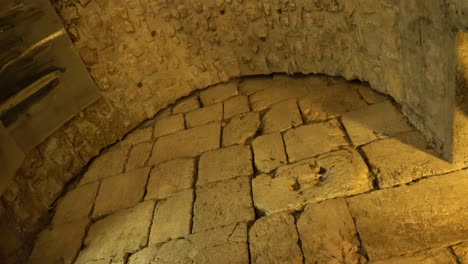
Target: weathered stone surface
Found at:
x=118, y=234
x=172, y=217
x=220, y=245
x=374, y=122
x=76, y=204
x=120, y=191
x=370, y=95
x=170, y=177
x=107, y=164
x=59, y=244
x=139, y=155
x=186, y=105
x=330, y=101
x=311, y=140
x=222, y=203
x=273, y=239
x=269, y=152
x=186, y=143
x=403, y=159
x=225, y=163
x=336, y=174
x=138, y=136
x=281, y=117
x=204, y=115
x=328, y=234
x=433, y=256
x=279, y=90
x=169, y=124
x=462, y=252
x=240, y=129
x=218, y=93
x=410, y=218
x=236, y=105
x=251, y=85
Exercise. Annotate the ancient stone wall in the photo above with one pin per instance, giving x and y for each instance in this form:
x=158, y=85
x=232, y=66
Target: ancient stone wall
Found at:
x=145, y=54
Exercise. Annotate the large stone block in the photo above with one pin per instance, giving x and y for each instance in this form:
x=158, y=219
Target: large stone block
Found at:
x=109, y=163
x=269, y=152
x=218, y=93
x=169, y=125
x=139, y=155
x=236, y=105
x=281, y=117
x=240, y=129
x=433, y=256
x=204, y=115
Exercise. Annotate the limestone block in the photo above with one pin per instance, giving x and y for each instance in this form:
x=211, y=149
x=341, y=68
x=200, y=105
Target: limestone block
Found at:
x=222, y=203
x=170, y=177
x=169, y=124
x=461, y=251
x=120, y=191
x=240, y=129
x=370, y=95
x=138, y=156
x=107, y=164
x=186, y=105
x=204, y=115
x=278, y=91
x=172, y=217
x=236, y=105
x=248, y=86
x=432, y=256
x=138, y=136
x=311, y=140
x=218, y=93
x=411, y=218
x=225, y=163
x=186, y=143
x=269, y=152
x=281, y=117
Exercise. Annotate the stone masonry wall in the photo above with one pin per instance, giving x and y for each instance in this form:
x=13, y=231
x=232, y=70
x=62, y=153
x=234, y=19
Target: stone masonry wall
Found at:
x=146, y=54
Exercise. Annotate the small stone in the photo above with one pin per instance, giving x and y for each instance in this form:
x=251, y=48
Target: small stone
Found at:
x=225, y=163
x=59, y=244
x=118, y=234
x=328, y=234
x=218, y=93
x=269, y=152
x=374, y=122
x=172, y=217
x=370, y=95
x=223, y=203
x=139, y=154
x=107, y=164
x=89, y=55
x=432, y=256
x=281, y=117
x=311, y=140
x=170, y=177
x=240, y=129
x=411, y=218
x=204, y=115
x=186, y=143
x=248, y=86
x=273, y=239
x=405, y=158
x=186, y=105
x=69, y=210
x=462, y=252
x=138, y=136
x=236, y=105
x=120, y=192
x=169, y=125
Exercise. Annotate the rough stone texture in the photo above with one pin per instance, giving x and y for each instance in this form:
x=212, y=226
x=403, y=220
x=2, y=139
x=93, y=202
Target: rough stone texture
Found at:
x=269, y=152
x=281, y=116
x=118, y=234
x=186, y=105
x=251, y=85
x=273, y=239
x=330, y=101
x=139, y=155
x=204, y=115
x=186, y=143
x=433, y=256
x=374, y=122
x=138, y=136
x=172, y=217
x=371, y=96
x=336, y=174
x=120, y=192
x=225, y=163
x=462, y=252
x=405, y=158
x=236, y=105
x=59, y=244
x=107, y=164
x=170, y=177
x=218, y=93
x=76, y=204
x=410, y=218
x=328, y=234
x=222, y=203
x=240, y=129
x=311, y=140
x=169, y=124
x=220, y=245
